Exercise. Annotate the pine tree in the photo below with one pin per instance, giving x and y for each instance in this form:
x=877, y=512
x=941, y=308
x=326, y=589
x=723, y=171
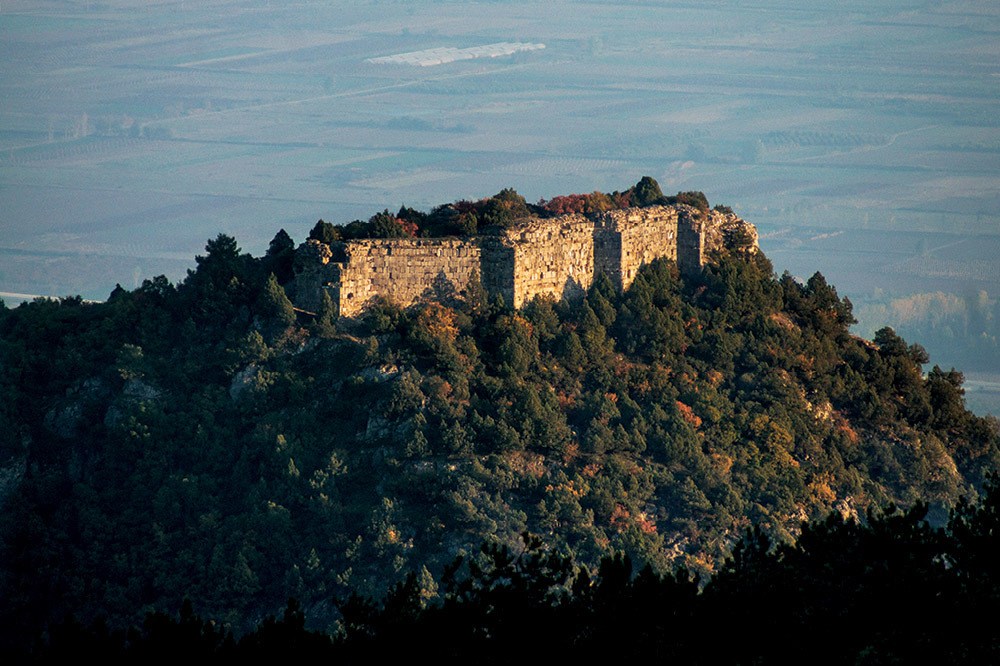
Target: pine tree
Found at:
x=325, y=232
x=274, y=308
x=280, y=256
x=646, y=192
x=323, y=325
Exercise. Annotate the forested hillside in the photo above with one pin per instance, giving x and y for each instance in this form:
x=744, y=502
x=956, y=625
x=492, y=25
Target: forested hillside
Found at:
x=205, y=441
x=890, y=590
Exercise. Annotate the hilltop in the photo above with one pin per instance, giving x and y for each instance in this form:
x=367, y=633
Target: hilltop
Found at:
x=505, y=248
x=208, y=441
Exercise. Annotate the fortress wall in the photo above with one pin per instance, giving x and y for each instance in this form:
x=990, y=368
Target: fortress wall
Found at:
x=313, y=272
x=555, y=256
x=724, y=231
x=608, y=253
x=497, y=267
x=690, y=243
x=645, y=234
x=552, y=256
x=404, y=270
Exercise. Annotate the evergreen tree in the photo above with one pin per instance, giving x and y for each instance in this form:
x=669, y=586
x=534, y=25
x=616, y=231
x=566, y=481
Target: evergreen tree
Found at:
x=323, y=325
x=646, y=192
x=325, y=232
x=274, y=308
x=280, y=257
x=385, y=225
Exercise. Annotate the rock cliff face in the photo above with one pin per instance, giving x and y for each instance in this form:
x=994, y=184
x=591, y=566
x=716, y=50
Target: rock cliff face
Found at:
x=557, y=256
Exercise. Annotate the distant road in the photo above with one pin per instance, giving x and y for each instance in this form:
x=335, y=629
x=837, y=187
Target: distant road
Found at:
x=341, y=93
x=12, y=295
x=14, y=298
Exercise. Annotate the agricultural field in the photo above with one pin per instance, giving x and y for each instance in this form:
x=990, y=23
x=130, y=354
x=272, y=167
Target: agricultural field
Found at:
x=863, y=139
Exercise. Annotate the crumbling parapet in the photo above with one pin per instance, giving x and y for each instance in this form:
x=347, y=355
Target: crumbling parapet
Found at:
x=313, y=272
x=729, y=232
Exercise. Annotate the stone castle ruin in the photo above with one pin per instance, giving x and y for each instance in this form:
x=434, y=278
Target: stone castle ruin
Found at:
x=558, y=256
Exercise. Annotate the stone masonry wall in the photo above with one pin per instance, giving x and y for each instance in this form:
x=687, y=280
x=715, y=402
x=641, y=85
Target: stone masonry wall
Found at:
x=551, y=256
x=312, y=274
x=498, y=260
x=691, y=232
x=643, y=235
x=554, y=256
x=404, y=270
